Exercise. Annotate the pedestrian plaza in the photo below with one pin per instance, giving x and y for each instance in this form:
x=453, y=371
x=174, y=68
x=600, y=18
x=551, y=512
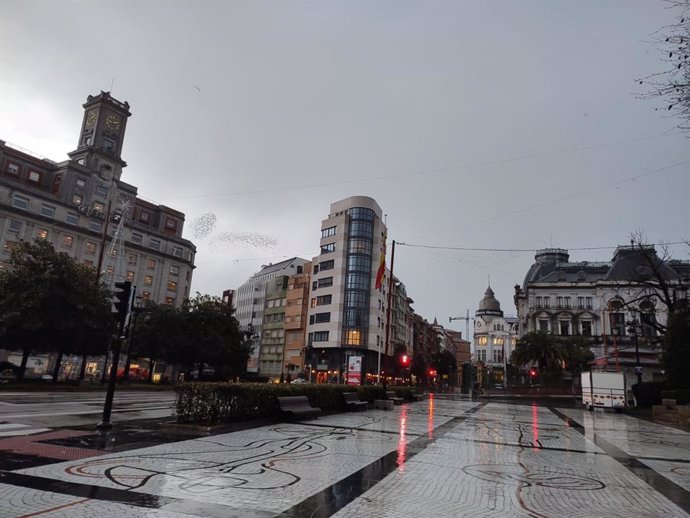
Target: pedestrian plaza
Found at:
x=444, y=456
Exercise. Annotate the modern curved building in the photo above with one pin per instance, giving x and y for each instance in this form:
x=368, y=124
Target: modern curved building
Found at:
x=346, y=311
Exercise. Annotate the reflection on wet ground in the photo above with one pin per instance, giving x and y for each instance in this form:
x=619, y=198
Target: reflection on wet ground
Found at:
x=450, y=456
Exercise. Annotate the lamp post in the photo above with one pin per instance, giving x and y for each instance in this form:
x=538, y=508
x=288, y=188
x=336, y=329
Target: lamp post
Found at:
x=632, y=328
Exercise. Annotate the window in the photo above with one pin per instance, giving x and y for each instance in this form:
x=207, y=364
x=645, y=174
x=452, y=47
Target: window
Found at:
x=360, y=246
x=320, y=336
x=566, y=301
x=130, y=275
x=144, y=216
x=325, y=282
x=320, y=318
x=42, y=234
x=67, y=241
x=101, y=191
x=538, y=302
x=328, y=232
x=588, y=302
x=146, y=295
x=80, y=184
x=89, y=263
x=77, y=199
x=547, y=302
x=357, y=281
x=498, y=356
x=34, y=176
x=172, y=286
x=90, y=248
x=20, y=202
x=559, y=302
x=482, y=340
x=316, y=269
x=586, y=327
x=481, y=354
x=321, y=301
x=564, y=327
x=132, y=259
x=72, y=218
x=326, y=265
x=177, y=251
x=95, y=226
x=174, y=270
x=580, y=303
x=170, y=301
x=10, y=245
x=15, y=227
x=171, y=225
x=353, y=337
x=155, y=244
x=98, y=206
x=57, y=181
x=498, y=340
x=544, y=326
x=148, y=280
x=330, y=247
x=48, y=210
x=12, y=168
x=136, y=238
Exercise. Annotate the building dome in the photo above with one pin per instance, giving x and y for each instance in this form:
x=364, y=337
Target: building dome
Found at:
x=489, y=305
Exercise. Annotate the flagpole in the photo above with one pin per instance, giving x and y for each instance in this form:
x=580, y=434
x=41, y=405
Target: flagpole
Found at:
x=388, y=309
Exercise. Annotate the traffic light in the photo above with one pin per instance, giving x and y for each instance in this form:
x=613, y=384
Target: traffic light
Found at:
x=123, y=292
x=533, y=373
x=405, y=361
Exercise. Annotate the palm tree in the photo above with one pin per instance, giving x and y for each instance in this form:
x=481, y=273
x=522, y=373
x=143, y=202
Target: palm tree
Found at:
x=539, y=348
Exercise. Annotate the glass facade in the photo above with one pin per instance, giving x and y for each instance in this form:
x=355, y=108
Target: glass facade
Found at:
x=360, y=234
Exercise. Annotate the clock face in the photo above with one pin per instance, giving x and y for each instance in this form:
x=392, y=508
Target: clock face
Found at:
x=112, y=122
x=91, y=119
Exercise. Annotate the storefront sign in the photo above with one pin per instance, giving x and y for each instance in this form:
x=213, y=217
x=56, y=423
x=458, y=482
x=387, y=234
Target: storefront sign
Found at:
x=354, y=370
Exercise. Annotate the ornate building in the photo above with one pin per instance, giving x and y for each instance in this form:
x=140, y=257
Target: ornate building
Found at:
x=77, y=206
x=495, y=337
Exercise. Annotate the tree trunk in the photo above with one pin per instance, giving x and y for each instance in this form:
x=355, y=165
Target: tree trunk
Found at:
x=152, y=366
x=25, y=359
x=82, y=369
x=58, y=364
x=127, y=365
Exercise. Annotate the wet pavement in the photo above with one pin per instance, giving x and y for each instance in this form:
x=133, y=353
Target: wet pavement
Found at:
x=445, y=456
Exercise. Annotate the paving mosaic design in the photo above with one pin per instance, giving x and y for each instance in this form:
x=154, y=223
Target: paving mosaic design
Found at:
x=442, y=457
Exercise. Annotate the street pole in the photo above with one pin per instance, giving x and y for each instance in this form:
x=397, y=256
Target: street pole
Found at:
x=105, y=423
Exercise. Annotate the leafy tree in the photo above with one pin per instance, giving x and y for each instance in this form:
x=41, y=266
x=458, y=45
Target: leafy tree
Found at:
x=445, y=364
x=50, y=303
x=576, y=353
x=676, y=355
x=202, y=332
x=538, y=347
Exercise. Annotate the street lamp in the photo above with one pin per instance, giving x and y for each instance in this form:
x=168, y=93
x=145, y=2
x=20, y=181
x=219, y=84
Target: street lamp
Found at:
x=632, y=328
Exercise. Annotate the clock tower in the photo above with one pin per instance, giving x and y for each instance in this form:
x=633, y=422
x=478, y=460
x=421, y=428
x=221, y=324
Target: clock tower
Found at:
x=102, y=134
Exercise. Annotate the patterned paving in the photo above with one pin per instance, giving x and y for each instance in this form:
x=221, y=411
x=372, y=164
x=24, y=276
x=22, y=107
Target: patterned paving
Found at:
x=437, y=457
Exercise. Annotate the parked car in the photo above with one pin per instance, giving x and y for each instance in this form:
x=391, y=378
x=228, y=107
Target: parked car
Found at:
x=298, y=380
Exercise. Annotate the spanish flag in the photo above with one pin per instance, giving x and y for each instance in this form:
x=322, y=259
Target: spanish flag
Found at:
x=382, y=263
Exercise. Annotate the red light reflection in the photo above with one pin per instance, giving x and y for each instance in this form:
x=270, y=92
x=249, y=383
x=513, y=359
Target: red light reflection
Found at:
x=402, y=440
x=535, y=425
x=430, y=418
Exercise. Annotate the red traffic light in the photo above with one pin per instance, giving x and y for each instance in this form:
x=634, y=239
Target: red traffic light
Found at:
x=432, y=372
x=404, y=360
x=533, y=373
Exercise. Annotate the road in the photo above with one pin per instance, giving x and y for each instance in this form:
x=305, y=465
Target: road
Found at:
x=26, y=412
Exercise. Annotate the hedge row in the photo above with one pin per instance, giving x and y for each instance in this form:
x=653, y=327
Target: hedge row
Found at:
x=213, y=403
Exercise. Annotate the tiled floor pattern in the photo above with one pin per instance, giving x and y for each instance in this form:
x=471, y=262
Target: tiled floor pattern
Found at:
x=493, y=460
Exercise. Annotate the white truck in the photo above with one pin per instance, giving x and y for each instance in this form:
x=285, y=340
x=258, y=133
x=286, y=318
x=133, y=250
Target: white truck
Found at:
x=603, y=390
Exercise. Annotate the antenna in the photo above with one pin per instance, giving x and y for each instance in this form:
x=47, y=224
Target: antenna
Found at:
x=112, y=82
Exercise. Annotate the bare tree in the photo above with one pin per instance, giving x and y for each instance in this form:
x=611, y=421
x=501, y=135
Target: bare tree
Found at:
x=672, y=85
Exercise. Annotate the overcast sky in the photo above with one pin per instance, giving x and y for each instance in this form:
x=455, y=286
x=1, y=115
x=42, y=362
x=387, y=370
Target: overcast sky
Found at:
x=503, y=124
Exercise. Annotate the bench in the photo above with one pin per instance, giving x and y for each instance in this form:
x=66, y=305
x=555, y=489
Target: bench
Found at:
x=385, y=404
x=297, y=407
x=352, y=401
x=390, y=396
